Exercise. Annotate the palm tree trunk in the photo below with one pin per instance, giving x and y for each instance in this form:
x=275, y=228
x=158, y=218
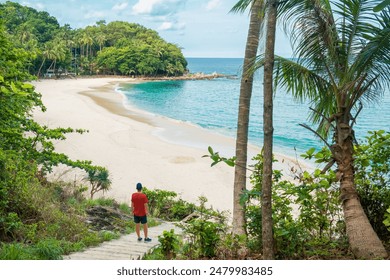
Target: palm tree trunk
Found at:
x=266, y=191
x=40, y=68
x=363, y=240
x=246, y=87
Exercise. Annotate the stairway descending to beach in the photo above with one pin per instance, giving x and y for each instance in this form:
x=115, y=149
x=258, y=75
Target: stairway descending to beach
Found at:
x=126, y=247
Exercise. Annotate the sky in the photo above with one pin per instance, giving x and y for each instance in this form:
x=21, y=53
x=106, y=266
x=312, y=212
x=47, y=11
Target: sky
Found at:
x=202, y=28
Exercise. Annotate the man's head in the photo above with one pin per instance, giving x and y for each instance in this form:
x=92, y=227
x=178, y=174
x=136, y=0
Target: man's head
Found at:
x=139, y=187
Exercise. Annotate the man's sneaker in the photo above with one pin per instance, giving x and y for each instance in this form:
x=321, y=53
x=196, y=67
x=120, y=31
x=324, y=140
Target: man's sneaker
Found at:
x=139, y=238
x=147, y=239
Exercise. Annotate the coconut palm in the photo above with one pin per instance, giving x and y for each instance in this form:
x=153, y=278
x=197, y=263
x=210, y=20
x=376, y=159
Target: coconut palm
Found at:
x=270, y=7
x=47, y=53
x=243, y=110
x=342, y=51
x=98, y=177
x=101, y=40
x=25, y=33
x=88, y=41
x=266, y=188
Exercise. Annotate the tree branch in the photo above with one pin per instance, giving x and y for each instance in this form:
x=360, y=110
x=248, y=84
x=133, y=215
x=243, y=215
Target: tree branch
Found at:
x=357, y=114
x=328, y=166
x=316, y=133
x=322, y=115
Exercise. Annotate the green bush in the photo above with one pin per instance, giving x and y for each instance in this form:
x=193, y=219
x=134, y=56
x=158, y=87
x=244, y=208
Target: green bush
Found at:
x=169, y=244
x=15, y=251
x=203, y=234
x=48, y=249
x=108, y=235
x=386, y=221
x=165, y=205
x=316, y=218
x=125, y=208
x=232, y=247
x=100, y=202
x=159, y=201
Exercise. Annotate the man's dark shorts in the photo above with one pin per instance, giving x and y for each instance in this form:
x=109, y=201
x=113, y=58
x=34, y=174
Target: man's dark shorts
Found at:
x=143, y=220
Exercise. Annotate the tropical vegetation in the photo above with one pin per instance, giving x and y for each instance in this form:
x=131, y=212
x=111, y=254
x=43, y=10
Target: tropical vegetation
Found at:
x=39, y=219
x=343, y=53
x=116, y=48
x=342, y=61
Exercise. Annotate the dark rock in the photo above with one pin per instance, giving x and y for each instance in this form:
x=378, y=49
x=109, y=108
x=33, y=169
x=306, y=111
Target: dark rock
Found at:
x=106, y=218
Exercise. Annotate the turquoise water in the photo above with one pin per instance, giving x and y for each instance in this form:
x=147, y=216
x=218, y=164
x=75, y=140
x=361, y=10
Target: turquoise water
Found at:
x=213, y=104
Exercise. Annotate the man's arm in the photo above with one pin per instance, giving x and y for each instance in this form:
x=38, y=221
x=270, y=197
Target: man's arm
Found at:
x=146, y=208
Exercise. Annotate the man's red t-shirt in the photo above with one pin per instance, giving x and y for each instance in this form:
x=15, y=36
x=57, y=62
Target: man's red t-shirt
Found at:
x=139, y=199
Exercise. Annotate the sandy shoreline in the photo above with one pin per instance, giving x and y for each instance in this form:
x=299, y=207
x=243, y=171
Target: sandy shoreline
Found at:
x=137, y=146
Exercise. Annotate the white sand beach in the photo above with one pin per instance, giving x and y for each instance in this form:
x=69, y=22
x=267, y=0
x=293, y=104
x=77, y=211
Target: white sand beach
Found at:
x=137, y=146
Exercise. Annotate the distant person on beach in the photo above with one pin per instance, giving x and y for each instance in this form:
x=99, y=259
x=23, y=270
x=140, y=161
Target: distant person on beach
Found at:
x=139, y=204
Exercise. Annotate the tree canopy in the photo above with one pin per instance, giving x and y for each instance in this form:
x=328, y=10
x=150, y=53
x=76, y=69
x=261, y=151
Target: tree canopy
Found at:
x=118, y=47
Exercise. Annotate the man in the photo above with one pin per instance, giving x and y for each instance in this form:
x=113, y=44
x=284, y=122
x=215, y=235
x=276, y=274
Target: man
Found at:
x=139, y=204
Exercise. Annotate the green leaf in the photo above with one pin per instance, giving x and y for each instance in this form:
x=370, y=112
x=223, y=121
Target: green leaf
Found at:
x=229, y=162
x=27, y=86
x=381, y=6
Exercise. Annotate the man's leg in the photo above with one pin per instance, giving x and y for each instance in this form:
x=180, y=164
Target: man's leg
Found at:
x=137, y=229
x=144, y=222
x=146, y=230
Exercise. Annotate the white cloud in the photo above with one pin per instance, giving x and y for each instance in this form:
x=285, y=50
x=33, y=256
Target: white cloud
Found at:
x=120, y=6
x=144, y=6
x=212, y=4
x=157, y=7
x=166, y=12
x=170, y=25
x=166, y=25
x=38, y=6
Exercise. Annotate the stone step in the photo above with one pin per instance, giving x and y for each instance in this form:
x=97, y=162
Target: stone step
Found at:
x=127, y=247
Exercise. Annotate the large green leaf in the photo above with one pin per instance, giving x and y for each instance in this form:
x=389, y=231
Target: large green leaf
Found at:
x=382, y=6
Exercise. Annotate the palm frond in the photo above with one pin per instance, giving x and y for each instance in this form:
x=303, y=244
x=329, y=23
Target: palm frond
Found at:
x=313, y=32
x=354, y=20
x=373, y=60
x=382, y=5
x=299, y=79
x=242, y=5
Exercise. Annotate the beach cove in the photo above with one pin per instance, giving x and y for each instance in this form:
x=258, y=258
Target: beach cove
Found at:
x=135, y=145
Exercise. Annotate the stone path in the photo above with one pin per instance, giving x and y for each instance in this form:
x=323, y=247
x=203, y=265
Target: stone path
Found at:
x=125, y=248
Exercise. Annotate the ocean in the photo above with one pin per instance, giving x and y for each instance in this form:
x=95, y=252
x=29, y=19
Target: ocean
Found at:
x=213, y=104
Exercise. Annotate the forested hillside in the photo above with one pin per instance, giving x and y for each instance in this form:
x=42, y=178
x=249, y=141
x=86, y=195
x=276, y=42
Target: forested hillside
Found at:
x=117, y=48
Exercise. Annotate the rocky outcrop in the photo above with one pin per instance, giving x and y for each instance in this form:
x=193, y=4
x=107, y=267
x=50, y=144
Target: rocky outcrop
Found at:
x=102, y=218
x=192, y=76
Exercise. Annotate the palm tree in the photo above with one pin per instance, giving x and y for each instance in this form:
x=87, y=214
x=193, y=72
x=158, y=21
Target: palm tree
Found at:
x=25, y=33
x=98, y=177
x=342, y=62
x=101, y=40
x=246, y=87
x=266, y=188
x=87, y=40
x=47, y=53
